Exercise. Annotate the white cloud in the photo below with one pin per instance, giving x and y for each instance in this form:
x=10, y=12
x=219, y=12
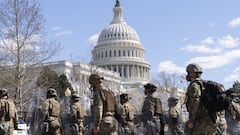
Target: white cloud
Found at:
x=93, y=39
x=63, y=33
x=217, y=47
x=216, y=61
x=235, y=75
x=234, y=22
x=228, y=41
x=207, y=41
x=202, y=49
x=10, y=44
x=170, y=68
x=56, y=28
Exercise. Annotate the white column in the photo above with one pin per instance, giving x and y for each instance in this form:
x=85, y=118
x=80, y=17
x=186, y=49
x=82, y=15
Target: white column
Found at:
x=122, y=71
x=127, y=71
x=138, y=72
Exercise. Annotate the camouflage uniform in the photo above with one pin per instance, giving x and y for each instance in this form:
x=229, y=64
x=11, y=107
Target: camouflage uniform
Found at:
x=152, y=112
x=8, y=114
x=174, y=123
x=222, y=123
x=103, y=108
x=127, y=112
x=77, y=115
x=51, y=112
x=234, y=108
x=198, y=114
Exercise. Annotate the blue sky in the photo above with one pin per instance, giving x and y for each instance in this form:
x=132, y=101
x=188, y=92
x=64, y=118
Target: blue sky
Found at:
x=173, y=32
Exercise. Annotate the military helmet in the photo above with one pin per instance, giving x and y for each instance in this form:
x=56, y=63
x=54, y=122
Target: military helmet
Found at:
x=193, y=67
x=173, y=99
x=95, y=78
x=75, y=96
x=51, y=92
x=150, y=87
x=125, y=96
x=3, y=92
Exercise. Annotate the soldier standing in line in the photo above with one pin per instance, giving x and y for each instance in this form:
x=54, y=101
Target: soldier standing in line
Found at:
x=152, y=112
x=201, y=122
x=127, y=112
x=174, y=122
x=77, y=114
x=221, y=123
x=103, y=108
x=51, y=112
x=8, y=114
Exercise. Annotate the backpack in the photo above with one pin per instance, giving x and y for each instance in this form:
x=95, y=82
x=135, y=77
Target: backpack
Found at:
x=108, y=100
x=157, y=106
x=213, y=96
x=4, y=115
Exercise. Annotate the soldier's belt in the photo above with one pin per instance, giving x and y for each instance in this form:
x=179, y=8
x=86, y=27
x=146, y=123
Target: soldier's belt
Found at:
x=109, y=114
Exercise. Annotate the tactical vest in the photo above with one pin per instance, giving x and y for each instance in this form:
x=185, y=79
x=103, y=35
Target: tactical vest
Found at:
x=54, y=108
x=108, y=101
x=7, y=110
x=157, y=106
x=130, y=111
x=4, y=109
x=80, y=111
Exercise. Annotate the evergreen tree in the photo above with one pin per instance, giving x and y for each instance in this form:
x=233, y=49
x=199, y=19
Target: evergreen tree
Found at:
x=48, y=79
x=63, y=85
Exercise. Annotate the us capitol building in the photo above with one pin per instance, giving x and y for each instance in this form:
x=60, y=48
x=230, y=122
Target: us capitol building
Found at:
x=118, y=57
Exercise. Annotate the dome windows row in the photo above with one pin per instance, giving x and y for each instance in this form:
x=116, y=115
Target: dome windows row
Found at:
x=119, y=53
x=118, y=35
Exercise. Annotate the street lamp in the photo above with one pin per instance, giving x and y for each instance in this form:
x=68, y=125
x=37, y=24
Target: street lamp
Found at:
x=67, y=92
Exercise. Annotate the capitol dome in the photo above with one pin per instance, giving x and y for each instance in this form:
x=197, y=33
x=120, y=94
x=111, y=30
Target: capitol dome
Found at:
x=115, y=31
x=119, y=49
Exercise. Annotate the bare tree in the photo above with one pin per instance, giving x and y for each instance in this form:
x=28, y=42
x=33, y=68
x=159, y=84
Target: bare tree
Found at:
x=169, y=82
x=22, y=45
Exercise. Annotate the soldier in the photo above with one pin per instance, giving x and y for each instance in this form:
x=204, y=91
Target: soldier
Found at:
x=77, y=115
x=221, y=123
x=51, y=112
x=174, y=123
x=127, y=112
x=199, y=117
x=152, y=112
x=103, y=108
x=8, y=114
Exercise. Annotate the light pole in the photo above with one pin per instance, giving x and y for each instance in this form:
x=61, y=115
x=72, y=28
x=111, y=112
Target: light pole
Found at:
x=67, y=94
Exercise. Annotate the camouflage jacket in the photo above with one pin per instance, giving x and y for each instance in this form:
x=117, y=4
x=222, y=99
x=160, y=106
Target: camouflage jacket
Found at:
x=194, y=106
x=103, y=102
x=50, y=109
x=127, y=112
x=77, y=112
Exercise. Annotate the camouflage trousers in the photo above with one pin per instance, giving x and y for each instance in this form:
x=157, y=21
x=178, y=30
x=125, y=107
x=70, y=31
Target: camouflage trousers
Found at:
x=152, y=128
x=6, y=128
x=108, y=126
x=176, y=129
x=203, y=127
x=53, y=128
x=77, y=129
